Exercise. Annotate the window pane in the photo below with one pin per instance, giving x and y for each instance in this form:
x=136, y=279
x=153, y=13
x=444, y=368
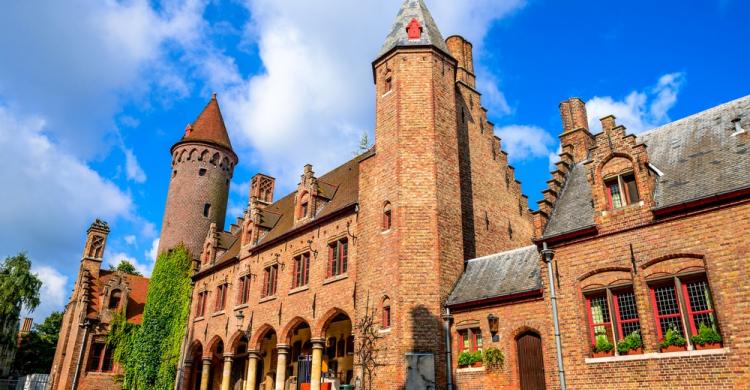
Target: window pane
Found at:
x=626, y=303
x=698, y=295
x=478, y=334
x=632, y=189
x=465, y=338
x=666, y=300
x=599, y=310
x=614, y=192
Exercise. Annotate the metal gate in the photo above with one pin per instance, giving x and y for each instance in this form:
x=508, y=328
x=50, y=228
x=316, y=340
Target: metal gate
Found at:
x=530, y=361
x=304, y=368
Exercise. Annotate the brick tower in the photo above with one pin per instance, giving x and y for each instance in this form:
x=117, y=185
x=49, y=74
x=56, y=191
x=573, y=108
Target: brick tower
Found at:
x=202, y=165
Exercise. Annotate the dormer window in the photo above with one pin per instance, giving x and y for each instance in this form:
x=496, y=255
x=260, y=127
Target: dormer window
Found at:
x=621, y=190
x=304, y=206
x=114, y=300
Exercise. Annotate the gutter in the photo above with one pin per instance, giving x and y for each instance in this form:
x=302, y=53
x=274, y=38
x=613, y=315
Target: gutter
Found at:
x=547, y=255
x=587, y=230
x=707, y=201
x=448, y=351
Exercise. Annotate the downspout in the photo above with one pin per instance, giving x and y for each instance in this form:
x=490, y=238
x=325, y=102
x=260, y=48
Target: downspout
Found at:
x=85, y=325
x=547, y=256
x=448, y=352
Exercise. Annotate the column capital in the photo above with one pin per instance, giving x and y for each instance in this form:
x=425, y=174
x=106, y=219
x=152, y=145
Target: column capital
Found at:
x=253, y=354
x=318, y=342
x=229, y=356
x=283, y=348
x=206, y=361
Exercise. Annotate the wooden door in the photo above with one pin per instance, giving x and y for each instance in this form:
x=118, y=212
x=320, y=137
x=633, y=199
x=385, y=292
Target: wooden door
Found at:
x=530, y=361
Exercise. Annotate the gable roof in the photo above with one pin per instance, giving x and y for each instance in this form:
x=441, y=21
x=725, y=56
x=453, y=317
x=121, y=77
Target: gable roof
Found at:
x=698, y=156
x=498, y=275
x=414, y=9
x=209, y=126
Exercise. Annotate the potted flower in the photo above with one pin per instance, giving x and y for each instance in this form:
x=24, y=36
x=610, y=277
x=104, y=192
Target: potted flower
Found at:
x=476, y=359
x=494, y=358
x=673, y=341
x=466, y=359
x=603, y=347
x=707, y=338
x=631, y=344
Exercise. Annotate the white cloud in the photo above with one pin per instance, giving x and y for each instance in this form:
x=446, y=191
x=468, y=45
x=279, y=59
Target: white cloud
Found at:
x=114, y=258
x=524, y=142
x=52, y=295
x=133, y=170
x=130, y=239
x=153, y=252
x=310, y=92
x=639, y=110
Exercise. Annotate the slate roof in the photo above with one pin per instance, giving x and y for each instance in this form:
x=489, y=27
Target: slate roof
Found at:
x=698, y=156
x=502, y=274
x=209, y=126
x=414, y=9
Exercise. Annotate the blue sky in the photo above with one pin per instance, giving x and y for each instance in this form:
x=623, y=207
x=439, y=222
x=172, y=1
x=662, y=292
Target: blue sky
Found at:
x=94, y=93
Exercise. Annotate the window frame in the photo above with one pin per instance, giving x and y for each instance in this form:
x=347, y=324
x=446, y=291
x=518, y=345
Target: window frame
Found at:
x=386, y=321
x=626, y=197
x=243, y=296
x=611, y=297
x=685, y=311
x=387, y=217
x=338, y=258
x=201, y=304
x=270, y=280
x=104, y=356
x=301, y=270
x=115, y=294
x=470, y=335
x=221, y=297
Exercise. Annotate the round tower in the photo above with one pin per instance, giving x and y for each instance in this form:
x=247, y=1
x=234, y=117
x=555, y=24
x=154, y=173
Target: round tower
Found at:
x=203, y=162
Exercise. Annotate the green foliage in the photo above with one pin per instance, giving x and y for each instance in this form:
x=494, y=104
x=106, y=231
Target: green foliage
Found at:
x=673, y=337
x=38, y=347
x=630, y=342
x=467, y=358
x=706, y=335
x=603, y=345
x=149, y=353
x=127, y=267
x=19, y=288
x=494, y=358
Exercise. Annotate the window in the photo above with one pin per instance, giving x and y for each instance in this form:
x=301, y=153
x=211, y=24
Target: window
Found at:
x=114, y=299
x=387, y=220
x=338, y=253
x=270, y=275
x=304, y=206
x=200, y=306
x=386, y=316
x=100, y=358
x=206, y=209
x=699, y=309
x=470, y=340
x=388, y=85
x=202, y=172
x=622, y=190
x=221, y=297
x=301, y=270
x=244, y=291
x=604, y=306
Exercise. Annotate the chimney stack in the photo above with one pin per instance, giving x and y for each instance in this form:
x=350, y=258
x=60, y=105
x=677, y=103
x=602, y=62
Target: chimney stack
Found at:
x=576, y=136
x=261, y=189
x=462, y=51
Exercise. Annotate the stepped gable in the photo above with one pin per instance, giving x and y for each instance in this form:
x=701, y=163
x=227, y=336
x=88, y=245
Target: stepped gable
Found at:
x=502, y=274
x=428, y=36
x=209, y=127
x=137, y=291
x=693, y=158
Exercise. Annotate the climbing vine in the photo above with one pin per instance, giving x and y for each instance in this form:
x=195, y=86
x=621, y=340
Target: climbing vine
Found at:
x=149, y=353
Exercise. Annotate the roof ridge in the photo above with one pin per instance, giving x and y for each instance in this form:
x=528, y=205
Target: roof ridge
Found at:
x=508, y=252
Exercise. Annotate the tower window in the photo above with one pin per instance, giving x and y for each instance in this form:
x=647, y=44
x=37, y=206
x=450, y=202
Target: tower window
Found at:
x=206, y=209
x=114, y=299
x=174, y=173
x=202, y=172
x=388, y=85
x=387, y=216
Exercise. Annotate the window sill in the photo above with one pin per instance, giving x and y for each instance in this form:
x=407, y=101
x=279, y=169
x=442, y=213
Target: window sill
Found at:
x=385, y=330
x=387, y=231
x=336, y=278
x=470, y=369
x=218, y=313
x=199, y=319
x=267, y=299
x=658, y=355
x=298, y=289
x=240, y=307
x=386, y=94
x=617, y=210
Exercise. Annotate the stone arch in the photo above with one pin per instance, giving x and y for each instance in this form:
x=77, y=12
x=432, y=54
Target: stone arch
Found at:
x=257, y=336
x=204, y=155
x=673, y=264
x=215, y=158
x=322, y=325
x=607, y=276
x=600, y=169
x=181, y=156
x=303, y=198
x=195, y=348
x=213, y=345
x=235, y=340
x=225, y=163
x=286, y=333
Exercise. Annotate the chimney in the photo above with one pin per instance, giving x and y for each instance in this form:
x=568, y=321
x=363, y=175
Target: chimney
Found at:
x=462, y=51
x=26, y=328
x=261, y=189
x=576, y=136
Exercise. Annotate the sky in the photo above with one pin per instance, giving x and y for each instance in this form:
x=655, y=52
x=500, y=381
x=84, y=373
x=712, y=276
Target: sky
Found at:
x=93, y=93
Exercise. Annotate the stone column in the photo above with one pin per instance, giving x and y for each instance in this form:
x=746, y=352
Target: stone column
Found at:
x=252, y=369
x=187, y=374
x=226, y=375
x=206, y=373
x=317, y=362
x=281, y=366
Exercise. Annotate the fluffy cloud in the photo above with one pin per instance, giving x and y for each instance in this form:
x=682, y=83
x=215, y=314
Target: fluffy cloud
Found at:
x=153, y=251
x=310, y=94
x=133, y=170
x=639, y=110
x=525, y=142
x=52, y=294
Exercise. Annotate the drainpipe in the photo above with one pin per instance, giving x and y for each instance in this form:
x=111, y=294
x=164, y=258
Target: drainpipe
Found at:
x=448, y=352
x=85, y=325
x=547, y=256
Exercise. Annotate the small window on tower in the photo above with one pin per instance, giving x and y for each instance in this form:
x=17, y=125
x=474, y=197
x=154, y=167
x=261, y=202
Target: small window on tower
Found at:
x=388, y=85
x=202, y=172
x=387, y=217
x=206, y=209
x=174, y=173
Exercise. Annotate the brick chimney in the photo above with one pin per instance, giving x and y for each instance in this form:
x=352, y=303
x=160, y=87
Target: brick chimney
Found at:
x=576, y=137
x=462, y=51
x=261, y=189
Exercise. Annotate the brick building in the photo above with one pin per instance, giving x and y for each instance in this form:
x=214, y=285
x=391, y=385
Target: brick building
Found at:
x=82, y=358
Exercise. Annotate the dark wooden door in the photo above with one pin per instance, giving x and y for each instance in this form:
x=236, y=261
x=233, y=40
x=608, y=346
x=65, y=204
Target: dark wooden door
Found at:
x=530, y=361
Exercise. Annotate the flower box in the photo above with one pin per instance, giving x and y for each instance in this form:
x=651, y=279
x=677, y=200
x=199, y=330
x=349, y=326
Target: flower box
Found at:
x=674, y=348
x=604, y=354
x=637, y=351
x=477, y=364
x=708, y=346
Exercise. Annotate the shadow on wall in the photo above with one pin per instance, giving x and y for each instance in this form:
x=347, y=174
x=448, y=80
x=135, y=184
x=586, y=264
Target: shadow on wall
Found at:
x=425, y=351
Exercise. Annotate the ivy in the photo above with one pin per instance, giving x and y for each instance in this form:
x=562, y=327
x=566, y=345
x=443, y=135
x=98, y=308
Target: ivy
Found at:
x=149, y=353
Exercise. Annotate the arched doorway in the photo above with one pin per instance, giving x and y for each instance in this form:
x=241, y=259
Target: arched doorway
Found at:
x=217, y=364
x=530, y=361
x=299, y=362
x=266, y=368
x=196, y=367
x=239, y=364
x=338, y=354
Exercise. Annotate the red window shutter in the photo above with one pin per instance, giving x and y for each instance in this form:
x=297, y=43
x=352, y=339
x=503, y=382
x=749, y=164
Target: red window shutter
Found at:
x=344, y=255
x=331, y=251
x=265, y=281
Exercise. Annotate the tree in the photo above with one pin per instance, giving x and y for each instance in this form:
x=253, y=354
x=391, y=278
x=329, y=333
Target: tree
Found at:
x=19, y=288
x=368, y=349
x=127, y=267
x=364, y=144
x=37, y=348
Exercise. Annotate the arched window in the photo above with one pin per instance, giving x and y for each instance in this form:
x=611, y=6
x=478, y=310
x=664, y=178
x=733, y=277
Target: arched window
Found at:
x=387, y=216
x=114, y=299
x=304, y=206
x=386, y=321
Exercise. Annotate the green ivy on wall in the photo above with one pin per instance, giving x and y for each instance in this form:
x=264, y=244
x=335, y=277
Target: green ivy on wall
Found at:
x=149, y=353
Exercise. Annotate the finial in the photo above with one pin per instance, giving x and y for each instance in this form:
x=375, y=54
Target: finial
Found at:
x=213, y=96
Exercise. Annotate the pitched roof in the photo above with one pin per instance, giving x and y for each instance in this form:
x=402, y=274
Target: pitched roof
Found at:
x=698, y=156
x=414, y=9
x=501, y=274
x=209, y=126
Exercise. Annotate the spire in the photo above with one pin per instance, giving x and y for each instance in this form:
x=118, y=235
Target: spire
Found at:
x=414, y=26
x=209, y=126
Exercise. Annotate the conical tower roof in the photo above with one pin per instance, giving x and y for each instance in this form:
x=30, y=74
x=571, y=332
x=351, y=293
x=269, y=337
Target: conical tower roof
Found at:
x=426, y=33
x=209, y=127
